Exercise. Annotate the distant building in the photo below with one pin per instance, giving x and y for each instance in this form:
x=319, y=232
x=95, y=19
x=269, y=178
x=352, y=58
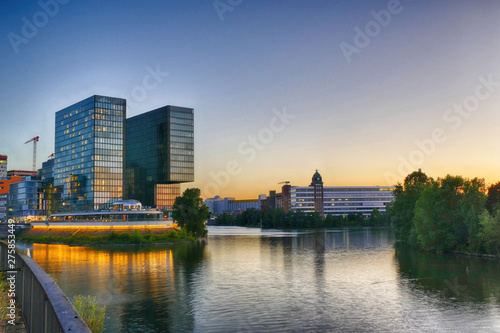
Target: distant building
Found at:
x=159, y=155
x=3, y=166
x=218, y=206
x=21, y=173
x=47, y=170
x=28, y=200
x=88, y=158
x=339, y=200
x=317, y=186
x=4, y=192
x=286, y=192
x=239, y=206
x=53, y=193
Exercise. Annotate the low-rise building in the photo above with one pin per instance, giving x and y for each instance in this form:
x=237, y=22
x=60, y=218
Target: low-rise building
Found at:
x=340, y=200
x=218, y=206
x=4, y=192
x=28, y=200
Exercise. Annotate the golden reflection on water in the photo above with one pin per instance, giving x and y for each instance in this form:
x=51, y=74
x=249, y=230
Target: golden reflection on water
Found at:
x=97, y=260
x=342, y=280
x=145, y=287
x=100, y=265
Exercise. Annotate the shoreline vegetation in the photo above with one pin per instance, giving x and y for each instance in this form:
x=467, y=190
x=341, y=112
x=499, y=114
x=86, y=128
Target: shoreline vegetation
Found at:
x=278, y=219
x=448, y=215
x=124, y=238
x=188, y=212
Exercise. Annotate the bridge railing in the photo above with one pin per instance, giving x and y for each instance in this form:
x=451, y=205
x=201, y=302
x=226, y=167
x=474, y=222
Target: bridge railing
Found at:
x=44, y=307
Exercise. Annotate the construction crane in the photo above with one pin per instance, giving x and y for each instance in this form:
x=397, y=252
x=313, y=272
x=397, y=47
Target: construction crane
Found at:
x=285, y=182
x=51, y=155
x=34, y=140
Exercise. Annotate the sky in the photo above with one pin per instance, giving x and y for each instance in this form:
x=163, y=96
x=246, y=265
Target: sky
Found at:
x=364, y=91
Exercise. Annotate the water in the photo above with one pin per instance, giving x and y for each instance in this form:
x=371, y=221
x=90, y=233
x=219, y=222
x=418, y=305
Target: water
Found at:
x=249, y=280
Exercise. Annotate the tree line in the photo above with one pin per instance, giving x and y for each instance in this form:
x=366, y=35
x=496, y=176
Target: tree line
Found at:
x=277, y=218
x=447, y=214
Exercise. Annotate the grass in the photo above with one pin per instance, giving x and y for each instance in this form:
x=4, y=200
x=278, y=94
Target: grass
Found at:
x=172, y=236
x=91, y=312
x=4, y=299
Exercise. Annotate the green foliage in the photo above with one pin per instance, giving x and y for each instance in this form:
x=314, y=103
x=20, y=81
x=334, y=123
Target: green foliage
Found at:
x=402, y=209
x=493, y=200
x=446, y=215
x=249, y=218
x=91, y=312
x=355, y=218
x=190, y=213
x=332, y=221
x=224, y=219
x=172, y=236
x=376, y=218
x=278, y=219
x=490, y=235
x=4, y=299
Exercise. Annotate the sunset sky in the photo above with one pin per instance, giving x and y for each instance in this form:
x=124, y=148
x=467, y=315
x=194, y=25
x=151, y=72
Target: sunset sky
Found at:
x=363, y=91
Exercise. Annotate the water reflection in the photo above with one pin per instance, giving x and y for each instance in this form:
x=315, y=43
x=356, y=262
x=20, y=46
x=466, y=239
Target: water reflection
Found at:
x=451, y=277
x=144, y=288
x=252, y=280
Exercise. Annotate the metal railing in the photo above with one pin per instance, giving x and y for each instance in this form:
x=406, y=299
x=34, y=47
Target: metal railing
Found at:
x=44, y=307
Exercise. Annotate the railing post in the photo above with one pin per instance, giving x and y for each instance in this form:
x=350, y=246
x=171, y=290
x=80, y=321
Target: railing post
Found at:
x=46, y=316
x=31, y=303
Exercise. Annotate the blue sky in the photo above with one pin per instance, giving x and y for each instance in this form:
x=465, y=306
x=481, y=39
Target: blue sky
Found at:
x=364, y=119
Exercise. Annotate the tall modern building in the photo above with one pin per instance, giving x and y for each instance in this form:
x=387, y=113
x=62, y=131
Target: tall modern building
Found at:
x=89, y=152
x=160, y=155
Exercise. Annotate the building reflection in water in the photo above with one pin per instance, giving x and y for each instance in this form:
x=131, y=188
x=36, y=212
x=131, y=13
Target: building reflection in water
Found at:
x=138, y=285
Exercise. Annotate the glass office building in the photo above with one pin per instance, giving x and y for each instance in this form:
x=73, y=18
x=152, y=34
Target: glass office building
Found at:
x=89, y=152
x=160, y=155
x=28, y=200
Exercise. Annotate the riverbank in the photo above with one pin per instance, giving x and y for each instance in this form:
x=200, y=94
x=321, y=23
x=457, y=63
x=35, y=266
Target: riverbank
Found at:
x=479, y=255
x=105, y=236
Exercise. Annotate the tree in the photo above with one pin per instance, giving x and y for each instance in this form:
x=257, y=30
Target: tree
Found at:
x=490, y=235
x=355, y=218
x=493, y=200
x=402, y=209
x=447, y=214
x=376, y=217
x=332, y=221
x=250, y=217
x=224, y=219
x=189, y=212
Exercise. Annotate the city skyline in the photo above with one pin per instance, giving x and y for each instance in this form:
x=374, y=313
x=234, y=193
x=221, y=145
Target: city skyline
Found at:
x=365, y=93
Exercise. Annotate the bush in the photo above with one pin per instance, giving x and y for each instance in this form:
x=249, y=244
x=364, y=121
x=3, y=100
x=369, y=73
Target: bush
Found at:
x=91, y=312
x=4, y=299
x=172, y=236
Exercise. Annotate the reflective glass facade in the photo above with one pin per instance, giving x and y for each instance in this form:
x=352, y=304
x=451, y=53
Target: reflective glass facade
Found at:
x=165, y=194
x=28, y=200
x=89, y=152
x=160, y=151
